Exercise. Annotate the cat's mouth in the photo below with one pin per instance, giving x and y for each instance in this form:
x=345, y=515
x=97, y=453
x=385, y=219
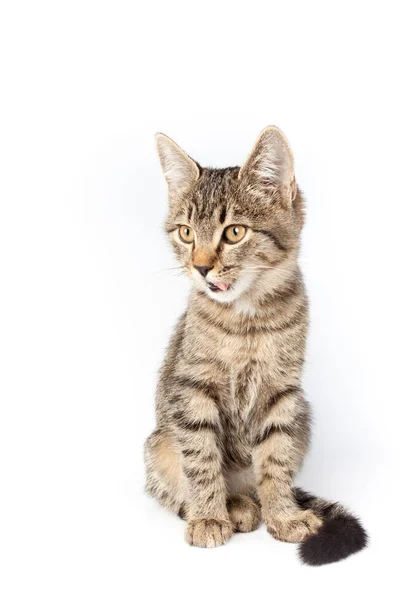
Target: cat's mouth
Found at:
x=218, y=286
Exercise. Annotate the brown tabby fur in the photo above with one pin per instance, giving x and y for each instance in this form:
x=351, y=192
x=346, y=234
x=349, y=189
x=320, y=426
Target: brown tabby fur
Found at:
x=233, y=425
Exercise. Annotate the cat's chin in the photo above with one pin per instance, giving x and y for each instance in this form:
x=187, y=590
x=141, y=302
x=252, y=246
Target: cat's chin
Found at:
x=219, y=296
x=218, y=287
x=233, y=292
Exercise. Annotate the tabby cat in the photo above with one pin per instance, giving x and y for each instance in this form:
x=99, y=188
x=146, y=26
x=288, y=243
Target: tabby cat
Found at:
x=232, y=422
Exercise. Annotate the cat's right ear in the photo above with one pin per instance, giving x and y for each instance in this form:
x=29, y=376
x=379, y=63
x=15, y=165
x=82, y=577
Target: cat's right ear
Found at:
x=180, y=171
x=270, y=165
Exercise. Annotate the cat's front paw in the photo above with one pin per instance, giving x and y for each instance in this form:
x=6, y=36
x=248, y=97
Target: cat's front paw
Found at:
x=208, y=533
x=294, y=528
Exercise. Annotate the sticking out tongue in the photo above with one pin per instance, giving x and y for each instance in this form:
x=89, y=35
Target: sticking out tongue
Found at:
x=221, y=286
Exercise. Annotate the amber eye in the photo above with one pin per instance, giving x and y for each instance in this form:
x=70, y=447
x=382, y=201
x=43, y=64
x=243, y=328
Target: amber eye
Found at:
x=186, y=234
x=234, y=233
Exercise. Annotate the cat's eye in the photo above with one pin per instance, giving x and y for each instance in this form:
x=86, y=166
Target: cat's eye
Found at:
x=186, y=234
x=234, y=233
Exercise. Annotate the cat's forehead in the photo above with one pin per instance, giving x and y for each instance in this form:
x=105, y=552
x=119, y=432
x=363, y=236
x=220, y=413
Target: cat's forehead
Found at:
x=218, y=194
x=214, y=191
x=219, y=197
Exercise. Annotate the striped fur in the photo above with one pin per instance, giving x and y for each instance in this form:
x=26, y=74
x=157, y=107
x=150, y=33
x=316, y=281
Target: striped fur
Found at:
x=233, y=425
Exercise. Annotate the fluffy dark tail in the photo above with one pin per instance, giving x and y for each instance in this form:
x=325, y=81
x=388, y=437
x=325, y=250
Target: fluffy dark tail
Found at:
x=340, y=535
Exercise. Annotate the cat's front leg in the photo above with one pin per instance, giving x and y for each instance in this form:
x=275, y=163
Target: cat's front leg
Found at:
x=281, y=430
x=197, y=429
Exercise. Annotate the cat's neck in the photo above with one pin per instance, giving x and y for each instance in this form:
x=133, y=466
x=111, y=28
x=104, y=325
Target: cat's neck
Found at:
x=258, y=302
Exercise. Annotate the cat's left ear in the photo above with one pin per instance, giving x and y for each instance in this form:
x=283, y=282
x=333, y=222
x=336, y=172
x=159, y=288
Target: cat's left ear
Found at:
x=271, y=165
x=180, y=171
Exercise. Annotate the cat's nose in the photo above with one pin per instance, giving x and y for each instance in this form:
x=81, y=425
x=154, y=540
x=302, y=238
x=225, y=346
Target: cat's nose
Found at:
x=202, y=269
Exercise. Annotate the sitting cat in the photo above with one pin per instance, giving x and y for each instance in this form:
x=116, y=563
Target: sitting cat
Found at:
x=232, y=422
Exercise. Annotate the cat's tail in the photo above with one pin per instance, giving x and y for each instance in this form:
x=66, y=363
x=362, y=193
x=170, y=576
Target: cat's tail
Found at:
x=340, y=535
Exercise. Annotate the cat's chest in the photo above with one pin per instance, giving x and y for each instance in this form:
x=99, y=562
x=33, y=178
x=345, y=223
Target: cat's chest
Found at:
x=245, y=383
x=244, y=353
x=237, y=401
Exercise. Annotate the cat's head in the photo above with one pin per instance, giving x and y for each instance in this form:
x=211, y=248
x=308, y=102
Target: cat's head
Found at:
x=235, y=230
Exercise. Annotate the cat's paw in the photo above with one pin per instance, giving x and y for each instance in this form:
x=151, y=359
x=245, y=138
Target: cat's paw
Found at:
x=244, y=513
x=208, y=533
x=294, y=528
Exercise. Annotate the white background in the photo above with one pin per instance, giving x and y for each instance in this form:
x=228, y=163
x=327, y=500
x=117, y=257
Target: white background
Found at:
x=87, y=306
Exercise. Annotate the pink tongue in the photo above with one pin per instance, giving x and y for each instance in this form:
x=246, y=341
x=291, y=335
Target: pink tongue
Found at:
x=222, y=286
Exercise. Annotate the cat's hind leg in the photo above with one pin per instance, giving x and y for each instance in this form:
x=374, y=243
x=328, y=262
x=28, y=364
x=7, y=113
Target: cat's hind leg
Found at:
x=244, y=513
x=243, y=508
x=164, y=476
x=167, y=483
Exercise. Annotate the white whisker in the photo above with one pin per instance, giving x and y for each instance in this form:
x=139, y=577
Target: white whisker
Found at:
x=169, y=271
